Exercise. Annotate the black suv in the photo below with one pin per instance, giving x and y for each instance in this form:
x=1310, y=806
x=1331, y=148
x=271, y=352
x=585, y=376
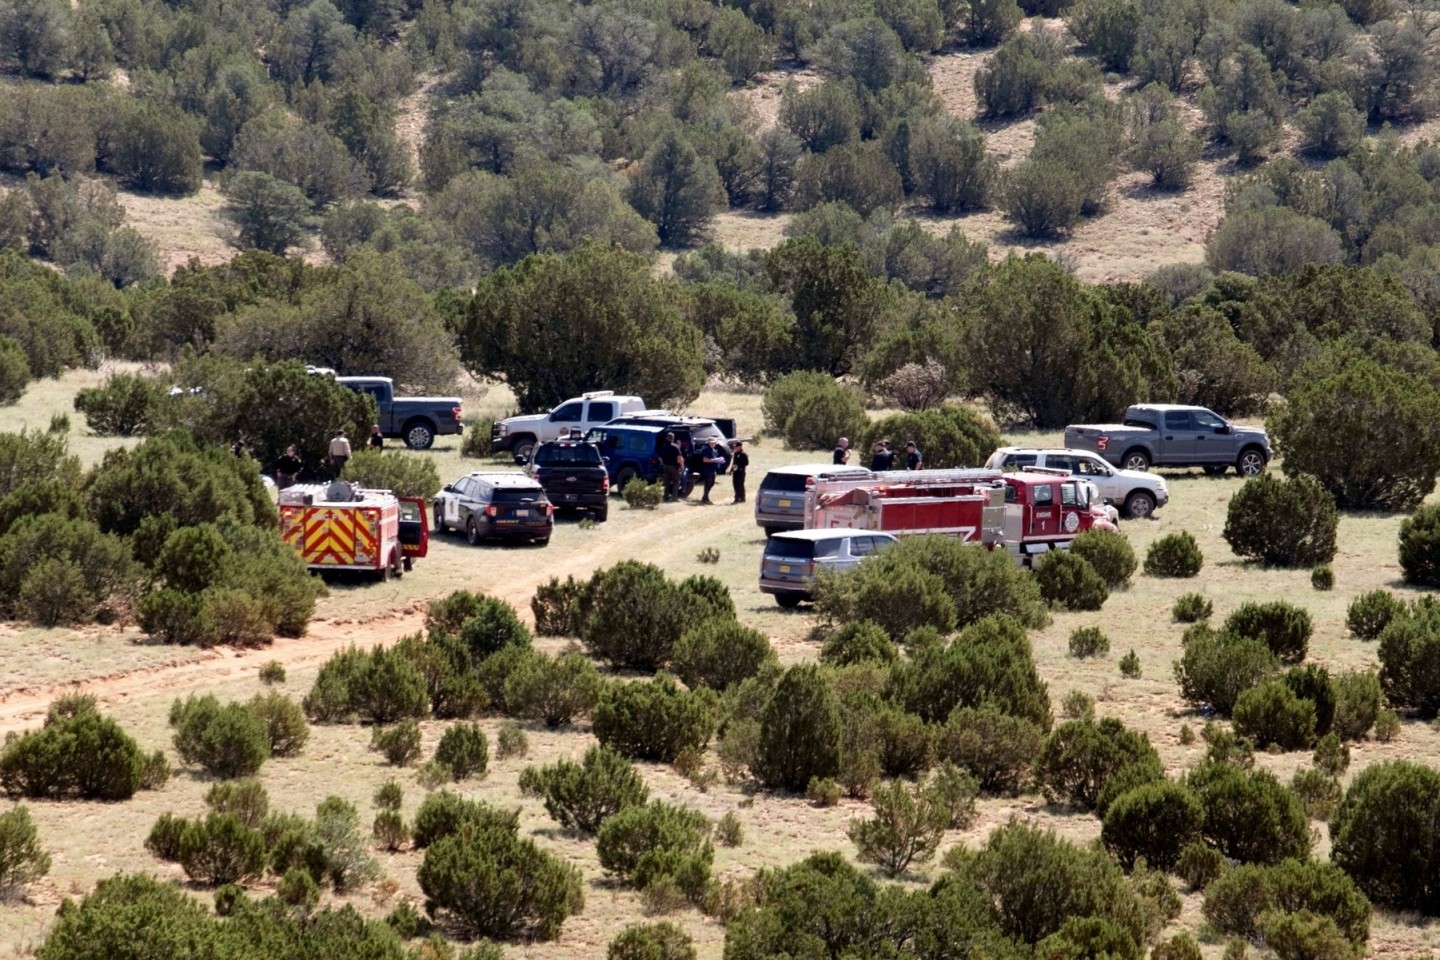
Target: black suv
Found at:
x=573, y=475
x=494, y=506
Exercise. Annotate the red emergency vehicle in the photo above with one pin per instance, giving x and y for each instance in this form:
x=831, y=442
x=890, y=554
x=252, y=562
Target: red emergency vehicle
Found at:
x=342, y=526
x=1026, y=513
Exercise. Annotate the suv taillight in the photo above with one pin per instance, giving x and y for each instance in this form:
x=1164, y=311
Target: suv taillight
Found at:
x=490, y=511
x=605, y=484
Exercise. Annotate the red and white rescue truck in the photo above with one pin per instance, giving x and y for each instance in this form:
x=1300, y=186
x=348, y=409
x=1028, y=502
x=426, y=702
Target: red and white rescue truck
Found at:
x=342, y=526
x=1027, y=513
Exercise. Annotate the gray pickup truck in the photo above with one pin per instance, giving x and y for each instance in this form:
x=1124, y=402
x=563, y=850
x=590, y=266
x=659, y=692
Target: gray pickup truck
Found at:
x=1168, y=435
x=416, y=420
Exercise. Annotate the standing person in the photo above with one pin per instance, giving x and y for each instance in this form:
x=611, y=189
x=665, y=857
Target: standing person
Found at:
x=339, y=452
x=287, y=468
x=842, y=451
x=882, y=458
x=712, y=463
x=739, y=460
x=913, y=459
x=672, y=461
x=377, y=439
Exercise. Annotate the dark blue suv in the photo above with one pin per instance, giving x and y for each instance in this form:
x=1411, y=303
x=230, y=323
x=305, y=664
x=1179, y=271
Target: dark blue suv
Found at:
x=633, y=453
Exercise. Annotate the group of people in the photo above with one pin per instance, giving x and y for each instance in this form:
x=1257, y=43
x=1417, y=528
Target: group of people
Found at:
x=714, y=461
x=882, y=457
x=289, y=465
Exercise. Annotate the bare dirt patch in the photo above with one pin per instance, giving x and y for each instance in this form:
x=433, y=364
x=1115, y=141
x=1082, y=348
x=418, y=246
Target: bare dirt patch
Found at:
x=181, y=227
x=761, y=99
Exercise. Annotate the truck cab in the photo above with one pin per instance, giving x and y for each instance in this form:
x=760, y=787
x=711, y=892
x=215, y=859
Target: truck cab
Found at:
x=572, y=419
x=1044, y=511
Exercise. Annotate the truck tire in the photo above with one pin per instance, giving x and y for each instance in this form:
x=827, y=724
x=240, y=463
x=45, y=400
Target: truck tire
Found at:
x=523, y=447
x=625, y=475
x=472, y=532
x=419, y=434
x=1216, y=470
x=1251, y=462
x=1140, y=504
x=601, y=515
x=1135, y=459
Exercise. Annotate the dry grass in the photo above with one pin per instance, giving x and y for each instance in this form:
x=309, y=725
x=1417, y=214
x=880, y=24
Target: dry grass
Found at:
x=137, y=683
x=183, y=228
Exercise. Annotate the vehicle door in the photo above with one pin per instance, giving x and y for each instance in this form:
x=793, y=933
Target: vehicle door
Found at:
x=381, y=396
x=1214, y=440
x=1044, y=511
x=1179, y=440
x=567, y=418
x=1100, y=473
x=830, y=554
x=414, y=531
x=600, y=411
x=1073, y=500
x=459, y=501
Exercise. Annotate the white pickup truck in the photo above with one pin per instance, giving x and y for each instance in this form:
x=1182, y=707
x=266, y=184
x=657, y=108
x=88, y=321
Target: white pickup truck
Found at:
x=1136, y=492
x=573, y=418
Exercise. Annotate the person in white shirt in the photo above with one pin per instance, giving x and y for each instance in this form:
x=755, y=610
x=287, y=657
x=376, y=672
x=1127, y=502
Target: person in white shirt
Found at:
x=339, y=452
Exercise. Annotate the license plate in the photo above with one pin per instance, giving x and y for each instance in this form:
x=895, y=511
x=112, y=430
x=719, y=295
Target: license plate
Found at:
x=784, y=568
x=571, y=496
x=522, y=513
x=784, y=503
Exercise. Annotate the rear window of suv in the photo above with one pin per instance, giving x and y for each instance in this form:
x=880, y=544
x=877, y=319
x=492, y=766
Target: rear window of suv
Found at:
x=517, y=495
x=785, y=482
x=785, y=549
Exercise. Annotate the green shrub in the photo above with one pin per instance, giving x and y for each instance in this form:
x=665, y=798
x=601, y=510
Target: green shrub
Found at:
x=494, y=884
x=639, y=495
x=1192, y=608
x=22, y=859
x=1249, y=815
x=1127, y=778
x=819, y=408
x=1227, y=747
x=651, y=941
x=906, y=828
x=489, y=625
x=1284, y=523
x=1387, y=726
x=1237, y=902
x=298, y=889
x=1017, y=79
x=799, y=731
x=272, y=671
x=1330, y=126
x=1078, y=705
x=443, y=814
x=1218, y=666
x=636, y=616
x=1384, y=834
x=1155, y=821
x=719, y=653
x=228, y=741
x=163, y=841
x=1281, y=626
x=582, y=796
x=728, y=831
x=174, y=617
x=1370, y=613
x=389, y=830
x=1080, y=756
x=476, y=442
x=1067, y=580
x=407, y=476
x=1322, y=578
x=1318, y=791
x=246, y=799
x=464, y=749
x=284, y=721
x=1358, y=699
x=990, y=661
x=221, y=849
x=1109, y=553
x=1182, y=946
x=1410, y=663
x=83, y=755
x=399, y=742
x=858, y=643
x=1088, y=642
x=1199, y=864
x=120, y=407
x=1130, y=666
x=510, y=741
x=1174, y=555
x=343, y=849
x=652, y=842
x=1420, y=547
x=997, y=749
x=653, y=720
x=1271, y=713
x=822, y=792
x=494, y=672
x=949, y=435
x=555, y=690
x=561, y=608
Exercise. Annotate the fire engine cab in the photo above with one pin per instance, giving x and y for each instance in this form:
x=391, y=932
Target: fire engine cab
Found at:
x=1026, y=513
x=342, y=526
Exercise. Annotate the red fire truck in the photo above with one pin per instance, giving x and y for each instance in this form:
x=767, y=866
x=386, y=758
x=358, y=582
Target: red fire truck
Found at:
x=1026, y=513
x=341, y=526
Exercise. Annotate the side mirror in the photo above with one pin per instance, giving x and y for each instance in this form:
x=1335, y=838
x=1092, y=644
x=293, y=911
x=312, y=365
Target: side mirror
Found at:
x=449, y=488
x=1223, y=428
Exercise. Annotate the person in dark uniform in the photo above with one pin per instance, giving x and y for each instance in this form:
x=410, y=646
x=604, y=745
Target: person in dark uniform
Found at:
x=287, y=468
x=712, y=464
x=913, y=459
x=882, y=458
x=377, y=439
x=739, y=460
x=672, y=461
x=842, y=451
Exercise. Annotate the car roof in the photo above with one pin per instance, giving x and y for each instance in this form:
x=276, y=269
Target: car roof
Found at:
x=1063, y=451
x=635, y=427
x=806, y=469
x=650, y=418
x=1162, y=407
x=567, y=443
x=500, y=479
x=829, y=533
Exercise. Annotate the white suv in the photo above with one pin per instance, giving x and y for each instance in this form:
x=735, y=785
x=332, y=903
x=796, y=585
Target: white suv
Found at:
x=1136, y=492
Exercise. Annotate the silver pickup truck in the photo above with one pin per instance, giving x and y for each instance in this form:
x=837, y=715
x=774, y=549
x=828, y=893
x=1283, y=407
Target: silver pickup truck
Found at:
x=1168, y=435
